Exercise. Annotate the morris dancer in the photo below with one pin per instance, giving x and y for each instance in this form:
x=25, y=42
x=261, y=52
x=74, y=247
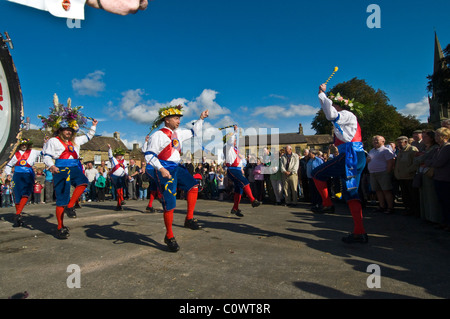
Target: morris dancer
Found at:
x=118, y=173
x=23, y=177
x=348, y=165
x=234, y=163
x=61, y=155
x=163, y=155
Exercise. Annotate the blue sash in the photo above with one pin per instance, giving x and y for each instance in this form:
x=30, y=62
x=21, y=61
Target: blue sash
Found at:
x=351, y=162
x=23, y=169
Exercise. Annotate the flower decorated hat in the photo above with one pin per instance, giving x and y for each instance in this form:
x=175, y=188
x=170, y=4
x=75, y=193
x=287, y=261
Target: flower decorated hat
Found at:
x=25, y=141
x=118, y=151
x=164, y=112
x=347, y=104
x=339, y=100
x=62, y=117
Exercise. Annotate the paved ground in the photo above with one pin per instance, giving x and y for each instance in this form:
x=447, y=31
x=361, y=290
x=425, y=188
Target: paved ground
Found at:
x=272, y=252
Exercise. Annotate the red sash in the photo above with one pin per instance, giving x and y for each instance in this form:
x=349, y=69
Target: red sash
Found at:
x=69, y=150
x=356, y=138
x=168, y=150
x=236, y=161
x=118, y=165
x=22, y=159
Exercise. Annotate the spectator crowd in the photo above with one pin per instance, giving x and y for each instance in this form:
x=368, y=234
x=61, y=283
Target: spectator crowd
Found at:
x=410, y=175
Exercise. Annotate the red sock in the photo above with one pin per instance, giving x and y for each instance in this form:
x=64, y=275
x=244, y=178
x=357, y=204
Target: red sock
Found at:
x=356, y=210
x=60, y=216
x=322, y=188
x=168, y=220
x=191, y=198
x=119, y=196
x=152, y=197
x=237, y=199
x=76, y=194
x=248, y=192
x=21, y=205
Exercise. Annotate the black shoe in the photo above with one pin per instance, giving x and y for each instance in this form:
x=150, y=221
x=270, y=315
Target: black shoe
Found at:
x=172, y=244
x=327, y=210
x=71, y=213
x=18, y=221
x=119, y=208
x=256, y=203
x=237, y=212
x=62, y=233
x=352, y=238
x=192, y=224
x=316, y=209
x=150, y=209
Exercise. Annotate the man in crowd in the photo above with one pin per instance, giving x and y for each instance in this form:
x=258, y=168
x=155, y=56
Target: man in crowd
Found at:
x=404, y=171
x=380, y=163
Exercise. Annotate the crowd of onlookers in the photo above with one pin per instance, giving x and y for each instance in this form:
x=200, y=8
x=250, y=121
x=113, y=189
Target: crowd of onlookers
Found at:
x=410, y=175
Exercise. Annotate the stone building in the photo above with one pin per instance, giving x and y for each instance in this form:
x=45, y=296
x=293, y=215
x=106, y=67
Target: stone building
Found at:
x=298, y=141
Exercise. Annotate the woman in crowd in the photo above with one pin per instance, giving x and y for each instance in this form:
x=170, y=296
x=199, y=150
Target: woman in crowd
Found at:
x=429, y=205
x=440, y=163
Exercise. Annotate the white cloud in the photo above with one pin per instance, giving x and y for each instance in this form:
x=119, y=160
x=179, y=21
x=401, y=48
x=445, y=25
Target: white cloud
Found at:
x=277, y=96
x=134, y=107
x=420, y=109
x=91, y=85
x=276, y=111
x=206, y=100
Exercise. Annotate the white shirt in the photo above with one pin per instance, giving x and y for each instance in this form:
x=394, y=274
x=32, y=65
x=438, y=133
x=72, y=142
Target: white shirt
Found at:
x=91, y=173
x=346, y=120
x=379, y=158
x=34, y=154
x=73, y=9
x=233, y=157
x=120, y=171
x=159, y=140
x=54, y=148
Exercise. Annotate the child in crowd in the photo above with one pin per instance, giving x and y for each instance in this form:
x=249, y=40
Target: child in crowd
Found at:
x=37, y=190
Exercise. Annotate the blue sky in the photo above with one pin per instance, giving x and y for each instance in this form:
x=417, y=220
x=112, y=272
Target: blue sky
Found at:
x=257, y=63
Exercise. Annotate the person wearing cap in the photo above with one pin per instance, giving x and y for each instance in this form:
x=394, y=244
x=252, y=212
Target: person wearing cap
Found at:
x=404, y=170
x=418, y=141
x=163, y=155
x=62, y=157
x=348, y=165
x=118, y=173
x=23, y=176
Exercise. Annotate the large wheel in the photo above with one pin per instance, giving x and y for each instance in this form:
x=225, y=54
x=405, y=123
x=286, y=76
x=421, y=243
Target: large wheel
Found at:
x=11, y=104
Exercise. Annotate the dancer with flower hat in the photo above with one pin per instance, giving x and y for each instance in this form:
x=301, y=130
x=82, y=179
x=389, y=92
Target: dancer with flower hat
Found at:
x=163, y=155
x=234, y=162
x=61, y=155
x=118, y=173
x=348, y=165
x=23, y=176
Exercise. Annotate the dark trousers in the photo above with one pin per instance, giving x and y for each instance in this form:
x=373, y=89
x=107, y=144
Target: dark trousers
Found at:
x=443, y=195
x=410, y=196
x=313, y=193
